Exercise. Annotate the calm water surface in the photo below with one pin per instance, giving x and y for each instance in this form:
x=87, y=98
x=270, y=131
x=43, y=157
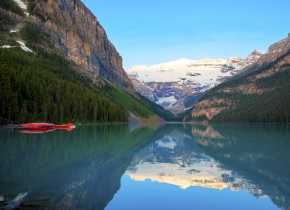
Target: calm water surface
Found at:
x=170, y=166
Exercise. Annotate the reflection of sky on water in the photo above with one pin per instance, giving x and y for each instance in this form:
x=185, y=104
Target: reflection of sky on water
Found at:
x=185, y=177
x=205, y=173
x=166, y=142
x=154, y=195
x=170, y=160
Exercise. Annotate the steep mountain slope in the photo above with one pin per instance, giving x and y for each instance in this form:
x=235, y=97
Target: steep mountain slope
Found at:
x=75, y=32
x=176, y=85
x=44, y=77
x=258, y=97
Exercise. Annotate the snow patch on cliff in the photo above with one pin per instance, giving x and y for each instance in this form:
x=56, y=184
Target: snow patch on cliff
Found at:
x=20, y=4
x=167, y=102
x=23, y=47
x=7, y=46
x=171, y=100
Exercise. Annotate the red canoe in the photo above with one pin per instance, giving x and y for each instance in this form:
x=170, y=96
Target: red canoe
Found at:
x=47, y=126
x=66, y=126
x=38, y=126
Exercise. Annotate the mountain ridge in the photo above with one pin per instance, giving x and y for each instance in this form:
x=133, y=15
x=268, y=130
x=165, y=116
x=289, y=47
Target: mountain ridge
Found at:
x=175, y=84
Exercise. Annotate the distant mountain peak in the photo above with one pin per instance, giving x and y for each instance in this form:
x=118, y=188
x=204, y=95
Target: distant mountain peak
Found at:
x=257, y=53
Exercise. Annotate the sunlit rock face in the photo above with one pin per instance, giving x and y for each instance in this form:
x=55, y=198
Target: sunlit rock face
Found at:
x=173, y=161
x=80, y=37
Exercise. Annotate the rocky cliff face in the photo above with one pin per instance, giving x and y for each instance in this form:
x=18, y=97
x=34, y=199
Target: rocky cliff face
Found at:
x=258, y=58
x=275, y=51
x=76, y=32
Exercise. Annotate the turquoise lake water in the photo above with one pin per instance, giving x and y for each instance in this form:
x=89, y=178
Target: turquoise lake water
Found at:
x=167, y=166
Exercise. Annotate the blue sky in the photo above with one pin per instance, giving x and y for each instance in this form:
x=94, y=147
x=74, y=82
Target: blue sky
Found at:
x=154, y=31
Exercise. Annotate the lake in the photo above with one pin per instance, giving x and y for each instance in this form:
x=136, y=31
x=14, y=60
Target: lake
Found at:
x=162, y=166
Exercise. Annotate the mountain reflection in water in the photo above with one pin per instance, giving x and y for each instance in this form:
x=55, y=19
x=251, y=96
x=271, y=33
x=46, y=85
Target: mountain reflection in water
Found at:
x=176, y=159
x=83, y=169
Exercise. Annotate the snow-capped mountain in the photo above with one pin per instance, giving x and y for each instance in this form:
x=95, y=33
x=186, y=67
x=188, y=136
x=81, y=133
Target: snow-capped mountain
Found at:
x=178, y=71
x=174, y=85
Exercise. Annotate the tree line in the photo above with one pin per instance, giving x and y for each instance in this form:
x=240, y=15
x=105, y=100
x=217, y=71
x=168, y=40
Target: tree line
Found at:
x=43, y=87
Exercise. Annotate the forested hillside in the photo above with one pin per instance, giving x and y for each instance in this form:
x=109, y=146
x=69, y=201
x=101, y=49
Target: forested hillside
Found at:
x=259, y=97
x=42, y=85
